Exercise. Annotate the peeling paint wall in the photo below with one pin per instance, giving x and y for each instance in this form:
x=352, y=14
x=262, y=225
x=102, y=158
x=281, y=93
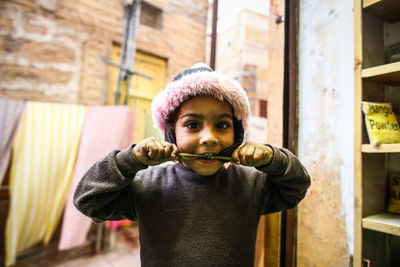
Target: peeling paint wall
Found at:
x=326, y=84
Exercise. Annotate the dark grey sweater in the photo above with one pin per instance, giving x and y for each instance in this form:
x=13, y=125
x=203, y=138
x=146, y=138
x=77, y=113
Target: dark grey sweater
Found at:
x=186, y=219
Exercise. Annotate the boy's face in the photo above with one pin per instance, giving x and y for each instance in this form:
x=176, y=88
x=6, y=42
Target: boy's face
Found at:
x=204, y=125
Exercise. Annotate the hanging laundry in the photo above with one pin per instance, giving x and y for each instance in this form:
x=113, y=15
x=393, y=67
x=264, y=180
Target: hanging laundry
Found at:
x=10, y=113
x=44, y=153
x=106, y=128
x=114, y=225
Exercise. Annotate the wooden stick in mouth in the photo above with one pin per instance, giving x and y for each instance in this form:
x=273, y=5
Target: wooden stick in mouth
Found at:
x=189, y=156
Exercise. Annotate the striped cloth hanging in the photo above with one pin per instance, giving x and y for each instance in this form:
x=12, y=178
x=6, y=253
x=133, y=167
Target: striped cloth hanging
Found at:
x=10, y=113
x=106, y=128
x=44, y=152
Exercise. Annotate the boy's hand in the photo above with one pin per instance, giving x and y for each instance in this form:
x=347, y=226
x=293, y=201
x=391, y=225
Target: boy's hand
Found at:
x=152, y=151
x=252, y=154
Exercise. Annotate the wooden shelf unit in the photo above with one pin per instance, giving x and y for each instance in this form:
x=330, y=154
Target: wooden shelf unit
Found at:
x=382, y=148
x=386, y=74
x=383, y=222
x=376, y=24
x=387, y=10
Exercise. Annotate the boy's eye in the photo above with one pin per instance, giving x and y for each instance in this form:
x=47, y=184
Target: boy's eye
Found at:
x=192, y=125
x=223, y=125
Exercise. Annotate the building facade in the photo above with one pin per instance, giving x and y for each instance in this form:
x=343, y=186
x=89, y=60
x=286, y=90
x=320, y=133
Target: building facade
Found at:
x=57, y=51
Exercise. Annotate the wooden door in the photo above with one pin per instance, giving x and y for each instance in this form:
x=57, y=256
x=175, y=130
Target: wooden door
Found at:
x=142, y=90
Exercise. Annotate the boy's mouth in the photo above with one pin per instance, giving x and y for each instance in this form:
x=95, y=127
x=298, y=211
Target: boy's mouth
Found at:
x=205, y=156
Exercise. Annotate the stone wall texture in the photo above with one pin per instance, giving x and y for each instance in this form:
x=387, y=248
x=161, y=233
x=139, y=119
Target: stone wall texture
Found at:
x=54, y=50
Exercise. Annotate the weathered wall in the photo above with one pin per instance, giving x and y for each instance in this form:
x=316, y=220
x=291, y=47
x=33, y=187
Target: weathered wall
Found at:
x=272, y=77
x=255, y=39
x=52, y=50
x=326, y=83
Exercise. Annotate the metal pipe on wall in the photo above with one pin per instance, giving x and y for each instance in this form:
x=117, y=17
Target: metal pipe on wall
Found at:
x=214, y=35
x=290, y=126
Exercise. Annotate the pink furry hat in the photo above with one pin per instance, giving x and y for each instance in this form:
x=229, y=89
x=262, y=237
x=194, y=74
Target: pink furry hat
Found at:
x=199, y=80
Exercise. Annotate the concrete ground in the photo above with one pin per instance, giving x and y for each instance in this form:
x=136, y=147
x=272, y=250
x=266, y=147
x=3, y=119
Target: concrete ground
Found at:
x=124, y=253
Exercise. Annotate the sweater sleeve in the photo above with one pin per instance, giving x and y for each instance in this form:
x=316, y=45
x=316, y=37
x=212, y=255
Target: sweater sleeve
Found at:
x=104, y=192
x=287, y=181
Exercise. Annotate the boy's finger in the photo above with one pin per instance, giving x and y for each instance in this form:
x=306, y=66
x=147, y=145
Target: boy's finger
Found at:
x=258, y=154
x=175, y=151
x=168, y=148
x=156, y=148
x=243, y=155
x=249, y=155
x=141, y=154
x=235, y=156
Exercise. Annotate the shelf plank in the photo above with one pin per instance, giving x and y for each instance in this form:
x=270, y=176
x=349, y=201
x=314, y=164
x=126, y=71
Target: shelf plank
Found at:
x=383, y=222
x=367, y=3
x=358, y=122
x=382, y=148
x=387, y=10
x=385, y=74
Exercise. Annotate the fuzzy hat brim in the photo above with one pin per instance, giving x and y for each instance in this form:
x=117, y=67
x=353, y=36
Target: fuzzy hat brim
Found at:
x=199, y=83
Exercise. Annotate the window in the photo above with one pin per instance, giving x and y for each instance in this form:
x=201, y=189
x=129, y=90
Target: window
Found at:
x=263, y=108
x=151, y=16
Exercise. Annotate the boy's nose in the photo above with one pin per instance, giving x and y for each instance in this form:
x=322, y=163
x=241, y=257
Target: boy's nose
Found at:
x=208, y=137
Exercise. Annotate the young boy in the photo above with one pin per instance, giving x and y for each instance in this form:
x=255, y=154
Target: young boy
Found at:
x=201, y=210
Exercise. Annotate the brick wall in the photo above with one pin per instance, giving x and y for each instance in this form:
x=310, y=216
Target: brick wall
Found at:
x=248, y=81
x=53, y=50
